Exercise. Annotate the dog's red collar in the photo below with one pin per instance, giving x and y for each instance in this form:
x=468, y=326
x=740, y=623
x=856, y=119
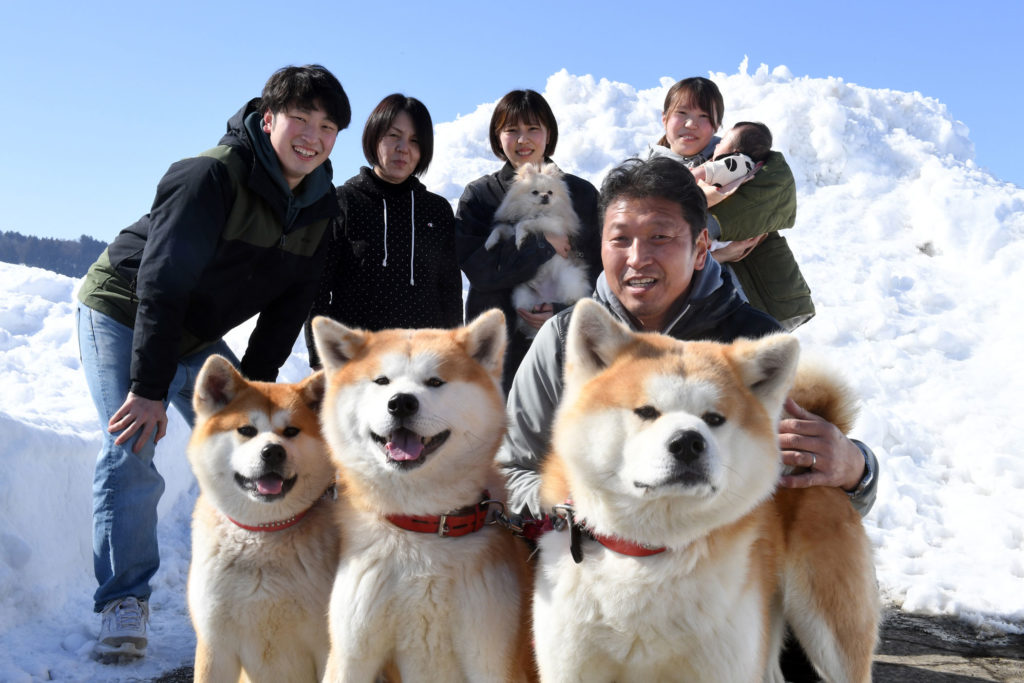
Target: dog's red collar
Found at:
x=331, y=492
x=455, y=523
x=624, y=547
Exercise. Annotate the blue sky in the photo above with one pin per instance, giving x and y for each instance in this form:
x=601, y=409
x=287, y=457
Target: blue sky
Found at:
x=101, y=97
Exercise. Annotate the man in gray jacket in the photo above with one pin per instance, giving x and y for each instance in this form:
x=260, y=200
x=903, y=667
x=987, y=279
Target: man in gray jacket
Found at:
x=658, y=278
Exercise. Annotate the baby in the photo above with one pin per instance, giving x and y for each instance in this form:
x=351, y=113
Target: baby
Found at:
x=740, y=151
x=736, y=154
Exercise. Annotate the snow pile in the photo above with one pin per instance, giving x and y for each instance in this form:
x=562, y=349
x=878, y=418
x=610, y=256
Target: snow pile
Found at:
x=910, y=250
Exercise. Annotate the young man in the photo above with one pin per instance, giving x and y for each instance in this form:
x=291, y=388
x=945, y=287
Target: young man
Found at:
x=232, y=233
x=658, y=278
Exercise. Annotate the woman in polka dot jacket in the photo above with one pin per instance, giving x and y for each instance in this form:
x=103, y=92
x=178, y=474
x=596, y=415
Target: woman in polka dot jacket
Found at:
x=391, y=261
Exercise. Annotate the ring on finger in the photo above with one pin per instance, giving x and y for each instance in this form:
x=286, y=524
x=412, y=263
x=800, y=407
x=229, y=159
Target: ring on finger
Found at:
x=814, y=460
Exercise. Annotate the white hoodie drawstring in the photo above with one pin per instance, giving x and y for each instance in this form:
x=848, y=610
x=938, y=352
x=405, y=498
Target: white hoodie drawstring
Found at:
x=385, y=263
x=412, y=256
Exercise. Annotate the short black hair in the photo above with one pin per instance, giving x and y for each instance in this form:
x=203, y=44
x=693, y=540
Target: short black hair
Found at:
x=308, y=87
x=383, y=116
x=753, y=138
x=522, y=106
x=658, y=177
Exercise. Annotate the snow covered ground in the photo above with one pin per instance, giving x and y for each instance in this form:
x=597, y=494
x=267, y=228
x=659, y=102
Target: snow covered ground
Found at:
x=912, y=251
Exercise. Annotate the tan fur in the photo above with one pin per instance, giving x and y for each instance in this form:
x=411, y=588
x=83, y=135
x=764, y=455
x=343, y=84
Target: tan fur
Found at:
x=418, y=606
x=740, y=561
x=258, y=599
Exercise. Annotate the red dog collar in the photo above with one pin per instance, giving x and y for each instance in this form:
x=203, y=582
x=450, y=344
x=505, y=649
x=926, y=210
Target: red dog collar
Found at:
x=624, y=547
x=455, y=523
x=331, y=493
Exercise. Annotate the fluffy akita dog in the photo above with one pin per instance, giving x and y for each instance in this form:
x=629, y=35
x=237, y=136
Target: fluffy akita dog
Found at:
x=538, y=202
x=264, y=539
x=425, y=587
x=686, y=566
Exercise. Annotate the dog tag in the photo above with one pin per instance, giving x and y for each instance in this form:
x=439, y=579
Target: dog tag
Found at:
x=575, y=539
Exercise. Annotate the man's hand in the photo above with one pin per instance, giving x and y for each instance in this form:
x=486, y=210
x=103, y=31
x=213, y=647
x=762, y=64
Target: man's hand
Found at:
x=537, y=316
x=137, y=413
x=809, y=441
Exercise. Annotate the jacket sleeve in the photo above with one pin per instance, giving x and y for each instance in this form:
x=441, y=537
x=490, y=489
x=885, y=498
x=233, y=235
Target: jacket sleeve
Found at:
x=278, y=327
x=864, y=500
x=532, y=401
x=503, y=266
x=337, y=261
x=450, y=284
x=764, y=204
x=188, y=215
x=588, y=242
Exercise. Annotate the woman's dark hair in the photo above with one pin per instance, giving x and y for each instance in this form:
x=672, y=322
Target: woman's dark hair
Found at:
x=383, y=117
x=701, y=92
x=753, y=138
x=658, y=177
x=308, y=87
x=522, y=106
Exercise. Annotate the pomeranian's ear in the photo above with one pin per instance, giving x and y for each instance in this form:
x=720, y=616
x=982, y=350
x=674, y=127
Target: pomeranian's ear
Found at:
x=525, y=171
x=551, y=170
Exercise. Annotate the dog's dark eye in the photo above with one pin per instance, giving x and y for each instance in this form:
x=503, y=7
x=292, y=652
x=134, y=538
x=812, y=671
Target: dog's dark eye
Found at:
x=290, y=431
x=536, y=192
x=248, y=431
x=647, y=413
x=435, y=382
x=382, y=380
x=713, y=419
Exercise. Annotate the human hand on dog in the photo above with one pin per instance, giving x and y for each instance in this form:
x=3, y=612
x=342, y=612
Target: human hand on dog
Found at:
x=138, y=413
x=559, y=242
x=809, y=441
x=537, y=316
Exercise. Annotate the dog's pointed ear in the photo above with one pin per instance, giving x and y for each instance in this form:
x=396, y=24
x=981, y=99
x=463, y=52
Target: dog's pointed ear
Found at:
x=335, y=343
x=526, y=170
x=312, y=390
x=484, y=340
x=767, y=367
x=595, y=339
x=216, y=386
x=551, y=170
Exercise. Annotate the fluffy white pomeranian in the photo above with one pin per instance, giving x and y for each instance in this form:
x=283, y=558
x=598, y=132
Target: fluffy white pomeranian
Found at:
x=538, y=202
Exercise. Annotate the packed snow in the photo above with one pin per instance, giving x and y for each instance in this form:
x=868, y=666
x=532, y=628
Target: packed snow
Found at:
x=912, y=251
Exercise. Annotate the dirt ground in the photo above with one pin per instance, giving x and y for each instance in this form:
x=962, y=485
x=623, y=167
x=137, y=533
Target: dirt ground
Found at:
x=913, y=649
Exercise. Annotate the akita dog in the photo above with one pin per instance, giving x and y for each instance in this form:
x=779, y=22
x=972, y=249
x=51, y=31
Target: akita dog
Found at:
x=413, y=419
x=264, y=539
x=681, y=564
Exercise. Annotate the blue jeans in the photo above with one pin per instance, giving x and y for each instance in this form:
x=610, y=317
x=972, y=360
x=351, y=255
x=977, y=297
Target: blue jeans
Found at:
x=126, y=485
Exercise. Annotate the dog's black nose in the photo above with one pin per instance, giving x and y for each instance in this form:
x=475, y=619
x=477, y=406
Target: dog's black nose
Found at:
x=544, y=199
x=687, y=446
x=403, y=405
x=273, y=455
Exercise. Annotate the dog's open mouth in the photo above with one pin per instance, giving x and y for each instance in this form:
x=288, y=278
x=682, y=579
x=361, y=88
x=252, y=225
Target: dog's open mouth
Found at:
x=268, y=487
x=407, y=449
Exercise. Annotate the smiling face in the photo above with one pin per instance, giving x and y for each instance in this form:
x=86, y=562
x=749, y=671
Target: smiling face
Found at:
x=301, y=138
x=649, y=256
x=398, y=151
x=688, y=128
x=523, y=142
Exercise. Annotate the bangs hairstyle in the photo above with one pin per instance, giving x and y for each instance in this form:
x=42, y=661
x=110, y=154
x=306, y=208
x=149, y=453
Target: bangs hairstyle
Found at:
x=522, y=106
x=383, y=117
x=658, y=178
x=699, y=91
x=307, y=87
x=753, y=138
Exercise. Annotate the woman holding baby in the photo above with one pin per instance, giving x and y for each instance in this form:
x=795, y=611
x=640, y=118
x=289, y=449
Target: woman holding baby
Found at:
x=746, y=215
x=522, y=131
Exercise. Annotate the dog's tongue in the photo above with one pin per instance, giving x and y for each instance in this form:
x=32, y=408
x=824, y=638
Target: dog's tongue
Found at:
x=269, y=486
x=404, y=445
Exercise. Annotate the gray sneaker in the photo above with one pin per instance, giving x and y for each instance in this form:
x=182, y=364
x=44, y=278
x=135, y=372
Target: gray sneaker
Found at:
x=123, y=631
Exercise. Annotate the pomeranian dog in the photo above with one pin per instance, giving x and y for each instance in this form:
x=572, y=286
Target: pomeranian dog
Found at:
x=538, y=202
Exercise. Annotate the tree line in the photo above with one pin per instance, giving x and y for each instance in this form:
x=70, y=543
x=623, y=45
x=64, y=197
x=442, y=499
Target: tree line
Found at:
x=67, y=257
